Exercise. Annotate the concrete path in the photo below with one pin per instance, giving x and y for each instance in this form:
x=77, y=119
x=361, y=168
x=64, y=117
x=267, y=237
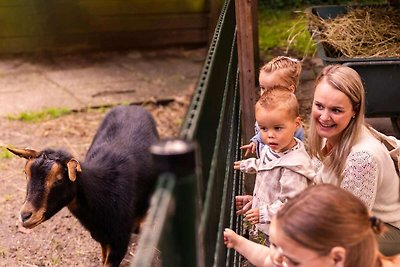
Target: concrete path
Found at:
x=96, y=79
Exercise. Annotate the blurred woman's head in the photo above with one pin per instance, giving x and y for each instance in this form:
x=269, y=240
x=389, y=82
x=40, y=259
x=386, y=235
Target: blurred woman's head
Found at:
x=325, y=226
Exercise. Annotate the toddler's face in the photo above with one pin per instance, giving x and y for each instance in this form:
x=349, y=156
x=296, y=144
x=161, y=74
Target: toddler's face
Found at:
x=277, y=128
x=268, y=80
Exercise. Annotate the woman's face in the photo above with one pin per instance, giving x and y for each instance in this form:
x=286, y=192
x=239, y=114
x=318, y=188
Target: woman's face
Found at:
x=331, y=111
x=285, y=252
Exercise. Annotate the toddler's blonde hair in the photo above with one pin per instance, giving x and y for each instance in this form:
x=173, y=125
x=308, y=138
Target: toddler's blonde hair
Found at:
x=290, y=69
x=279, y=97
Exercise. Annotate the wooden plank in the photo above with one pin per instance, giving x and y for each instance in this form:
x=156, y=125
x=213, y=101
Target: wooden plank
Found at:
x=247, y=37
x=30, y=24
x=34, y=26
x=111, y=6
x=111, y=40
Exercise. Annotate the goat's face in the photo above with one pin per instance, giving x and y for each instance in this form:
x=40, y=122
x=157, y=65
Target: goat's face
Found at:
x=50, y=177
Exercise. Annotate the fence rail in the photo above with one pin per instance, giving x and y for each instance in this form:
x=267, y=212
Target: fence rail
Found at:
x=189, y=212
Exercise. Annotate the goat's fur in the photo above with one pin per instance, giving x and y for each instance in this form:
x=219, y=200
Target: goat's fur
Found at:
x=109, y=192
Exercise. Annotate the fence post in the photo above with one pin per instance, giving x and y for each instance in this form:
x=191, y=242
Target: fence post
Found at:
x=248, y=58
x=247, y=39
x=179, y=158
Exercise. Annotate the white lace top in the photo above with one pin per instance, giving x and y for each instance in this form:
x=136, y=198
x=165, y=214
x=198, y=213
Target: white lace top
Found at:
x=370, y=175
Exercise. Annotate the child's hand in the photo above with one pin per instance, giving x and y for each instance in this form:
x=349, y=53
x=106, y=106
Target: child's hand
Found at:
x=230, y=238
x=250, y=148
x=236, y=165
x=243, y=204
x=253, y=216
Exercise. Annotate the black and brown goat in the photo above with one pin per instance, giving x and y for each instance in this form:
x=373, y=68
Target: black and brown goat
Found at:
x=109, y=192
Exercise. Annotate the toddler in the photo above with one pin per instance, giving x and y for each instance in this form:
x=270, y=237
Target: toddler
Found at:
x=283, y=71
x=284, y=167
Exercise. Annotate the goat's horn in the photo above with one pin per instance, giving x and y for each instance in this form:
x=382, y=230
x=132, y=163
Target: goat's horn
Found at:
x=27, y=153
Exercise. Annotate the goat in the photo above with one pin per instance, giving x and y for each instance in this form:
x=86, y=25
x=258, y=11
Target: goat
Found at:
x=109, y=193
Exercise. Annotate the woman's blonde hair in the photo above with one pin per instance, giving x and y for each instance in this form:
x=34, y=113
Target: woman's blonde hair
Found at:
x=325, y=216
x=346, y=80
x=290, y=69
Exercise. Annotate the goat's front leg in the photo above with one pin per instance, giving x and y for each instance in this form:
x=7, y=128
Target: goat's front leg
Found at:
x=112, y=256
x=105, y=252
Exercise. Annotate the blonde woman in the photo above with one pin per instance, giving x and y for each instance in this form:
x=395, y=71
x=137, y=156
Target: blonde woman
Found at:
x=350, y=156
x=323, y=226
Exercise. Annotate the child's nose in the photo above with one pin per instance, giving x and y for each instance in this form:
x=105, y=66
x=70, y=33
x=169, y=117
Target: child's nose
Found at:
x=277, y=258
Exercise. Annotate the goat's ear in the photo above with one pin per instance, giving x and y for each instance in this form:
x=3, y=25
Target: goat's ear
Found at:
x=27, y=153
x=73, y=167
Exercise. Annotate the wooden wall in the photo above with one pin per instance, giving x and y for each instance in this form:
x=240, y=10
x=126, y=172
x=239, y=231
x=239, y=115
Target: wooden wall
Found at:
x=69, y=25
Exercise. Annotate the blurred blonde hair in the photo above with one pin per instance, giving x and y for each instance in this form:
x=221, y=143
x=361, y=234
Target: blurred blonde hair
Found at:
x=346, y=80
x=325, y=216
x=279, y=97
x=290, y=69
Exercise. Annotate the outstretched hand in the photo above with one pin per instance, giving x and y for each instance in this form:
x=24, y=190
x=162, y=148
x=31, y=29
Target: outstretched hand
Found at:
x=230, y=238
x=236, y=165
x=253, y=216
x=250, y=148
x=243, y=204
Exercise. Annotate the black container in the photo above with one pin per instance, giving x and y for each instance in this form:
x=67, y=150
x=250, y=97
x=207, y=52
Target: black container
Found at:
x=381, y=76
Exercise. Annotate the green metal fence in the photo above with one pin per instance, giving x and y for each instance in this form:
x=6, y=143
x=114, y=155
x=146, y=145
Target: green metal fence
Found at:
x=194, y=200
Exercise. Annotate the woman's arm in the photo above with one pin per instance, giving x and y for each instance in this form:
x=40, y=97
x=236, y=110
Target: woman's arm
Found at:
x=360, y=177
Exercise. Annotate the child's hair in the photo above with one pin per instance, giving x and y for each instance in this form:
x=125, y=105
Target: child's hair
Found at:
x=346, y=80
x=325, y=216
x=290, y=68
x=279, y=97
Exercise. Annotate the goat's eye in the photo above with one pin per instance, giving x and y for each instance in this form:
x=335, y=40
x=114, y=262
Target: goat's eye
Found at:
x=58, y=182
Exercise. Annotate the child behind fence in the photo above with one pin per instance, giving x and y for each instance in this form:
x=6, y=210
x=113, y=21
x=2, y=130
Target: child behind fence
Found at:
x=284, y=167
x=282, y=71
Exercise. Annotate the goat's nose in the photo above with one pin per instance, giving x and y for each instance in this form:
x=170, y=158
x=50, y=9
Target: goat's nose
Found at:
x=25, y=215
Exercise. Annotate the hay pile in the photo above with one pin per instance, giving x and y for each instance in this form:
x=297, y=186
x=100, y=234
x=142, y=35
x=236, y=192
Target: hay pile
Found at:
x=362, y=32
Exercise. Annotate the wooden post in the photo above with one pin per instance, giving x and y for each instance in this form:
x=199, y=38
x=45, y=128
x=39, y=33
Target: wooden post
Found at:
x=248, y=57
x=247, y=40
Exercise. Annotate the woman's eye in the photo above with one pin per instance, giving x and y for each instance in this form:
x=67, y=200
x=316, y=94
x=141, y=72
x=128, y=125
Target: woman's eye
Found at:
x=319, y=106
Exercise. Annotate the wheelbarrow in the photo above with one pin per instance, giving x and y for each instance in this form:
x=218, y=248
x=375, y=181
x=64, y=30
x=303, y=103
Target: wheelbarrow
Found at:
x=381, y=76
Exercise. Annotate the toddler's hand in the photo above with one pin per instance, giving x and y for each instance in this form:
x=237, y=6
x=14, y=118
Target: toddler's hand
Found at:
x=243, y=204
x=250, y=148
x=253, y=216
x=236, y=165
x=230, y=238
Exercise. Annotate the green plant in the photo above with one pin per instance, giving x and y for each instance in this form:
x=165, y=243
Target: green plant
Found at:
x=37, y=116
x=284, y=29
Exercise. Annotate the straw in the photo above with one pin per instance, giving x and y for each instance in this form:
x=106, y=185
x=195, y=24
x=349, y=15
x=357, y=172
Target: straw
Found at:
x=360, y=33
